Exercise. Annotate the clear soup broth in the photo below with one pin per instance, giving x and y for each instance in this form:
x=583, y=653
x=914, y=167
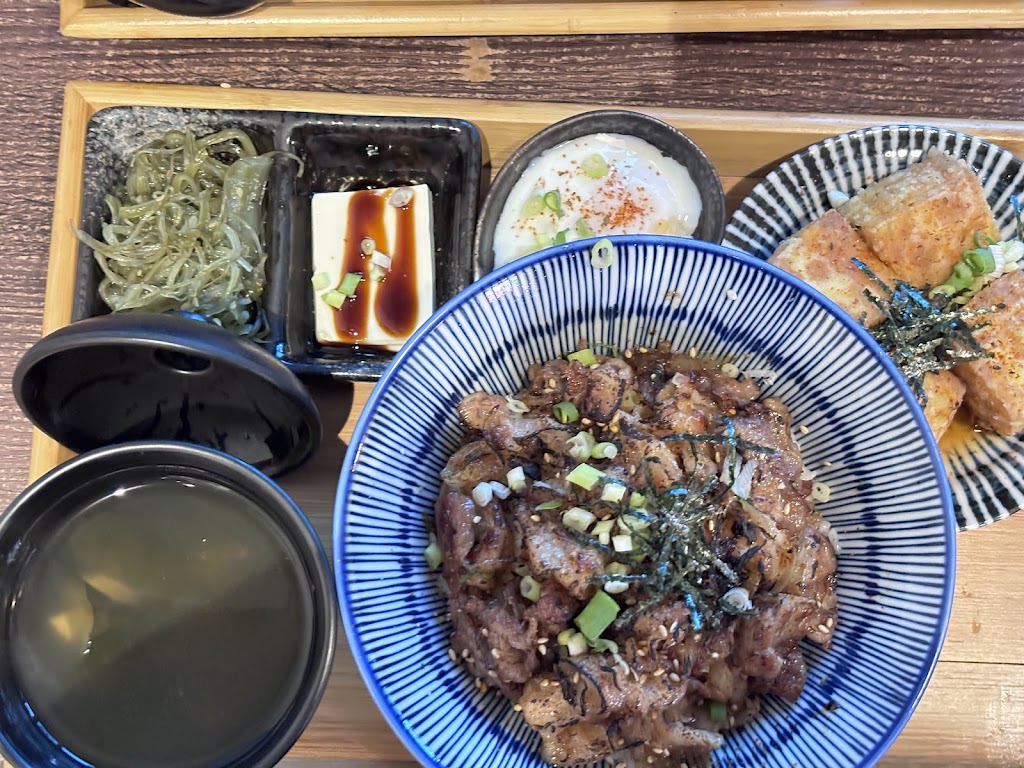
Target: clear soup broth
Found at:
x=164, y=625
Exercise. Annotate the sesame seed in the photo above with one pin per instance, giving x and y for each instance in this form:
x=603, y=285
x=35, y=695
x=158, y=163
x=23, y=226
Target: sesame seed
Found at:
x=650, y=758
x=696, y=638
x=733, y=296
x=465, y=653
x=535, y=518
x=641, y=652
x=631, y=469
x=628, y=354
x=544, y=683
x=485, y=632
x=552, y=383
x=576, y=678
x=542, y=641
x=803, y=429
x=674, y=677
x=492, y=673
x=620, y=765
x=643, y=678
x=495, y=653
x=653, y=377
x=614, y=428
x=675, y=663
x=451, y=654
x=823, y=629
x=674, y=627
x=517, y=707
x=659, y=672
x=830, y=622
x=714, y=655
x=826, y=463
x=643, y=350
x=477, y=519
x=693, y=351
x=663, y=630
x=586, y=422
x=542, y=649
x=547, y=458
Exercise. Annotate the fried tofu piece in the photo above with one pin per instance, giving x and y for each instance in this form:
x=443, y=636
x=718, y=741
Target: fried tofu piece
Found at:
x=822, y=253
x=945, y=393
x=921, y=219
x=995, y=385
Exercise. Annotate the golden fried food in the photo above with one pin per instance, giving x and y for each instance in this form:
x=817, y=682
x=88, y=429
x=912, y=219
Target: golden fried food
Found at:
x=995, y=385
x=920, y=220
x=822, y=255
x=945, y=392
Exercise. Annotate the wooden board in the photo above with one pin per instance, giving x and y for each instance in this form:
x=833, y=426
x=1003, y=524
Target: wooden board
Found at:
x=392, y=18
x=973, y=712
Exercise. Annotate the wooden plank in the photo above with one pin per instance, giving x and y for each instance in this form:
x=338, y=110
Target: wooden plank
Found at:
x=340, y=18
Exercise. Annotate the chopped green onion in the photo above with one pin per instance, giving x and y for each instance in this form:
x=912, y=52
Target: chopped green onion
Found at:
x=334, y=299
x=616, y=569
x=533, y=206
x=433, y=555
x=602, y=254
x=622, y=543
x=553, y=200
x=529, y=588
x=583, y=229
x=630, y=400
x=577, y=644
x=377, y=273
x=545, y=505
x=578, y=518
x=585, y=476
x=594, y=166
x=821, y=492
x=349, y=283
x=321, y=281
x=604, y=451
x=604, y=526
x=516, y=478
x=500, y=490
x=580, y=445
x=718, y=712
x=631, y=523
x=565, y=412
x=367, y=245
x=543, y=241
x=584, y=357
x=564, y=635
x=597, y=616
x=613, y=492
x=637, y=500
x=560, y=236
x=483, y=493
x=731, y=370
x=980, y=260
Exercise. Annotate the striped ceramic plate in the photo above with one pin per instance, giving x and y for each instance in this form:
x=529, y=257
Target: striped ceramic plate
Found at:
x=986, y=471
x=889, y=504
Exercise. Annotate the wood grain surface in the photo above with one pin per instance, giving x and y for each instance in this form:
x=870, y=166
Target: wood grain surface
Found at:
x=973, y=712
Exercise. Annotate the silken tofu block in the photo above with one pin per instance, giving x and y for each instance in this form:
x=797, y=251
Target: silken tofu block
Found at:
x=995, y=385
x=822, y=253
x=385, y=313
x=921, y=219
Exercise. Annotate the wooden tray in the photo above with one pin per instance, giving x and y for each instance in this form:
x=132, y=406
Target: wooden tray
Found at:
x=973, y=712
x=391, y=18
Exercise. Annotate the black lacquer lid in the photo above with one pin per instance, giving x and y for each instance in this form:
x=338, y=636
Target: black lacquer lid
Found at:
x=136, y=376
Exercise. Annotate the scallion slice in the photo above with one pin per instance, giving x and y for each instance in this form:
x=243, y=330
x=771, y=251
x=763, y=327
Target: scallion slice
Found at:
x=529, y=588
x=583, y=229
x=349, y=283
x=564, y=635
x=580, y=445
x=602, y=254
x=551, y=504
x=622, y=543
x=585, y=476
x=718, y=712
x=604, y=451
x=516, y=478
x=584, y=357
x=334, y=299
x=980, y=260
x=321, y=281
x=597, y=616
x=594, y=166
x=560, y=237
x=565, y=412
x=553, y=201
x=578, y=518
x=577, y=644
x=637, y=500
x=533, y=206
x=613, y=492
x=433, y=555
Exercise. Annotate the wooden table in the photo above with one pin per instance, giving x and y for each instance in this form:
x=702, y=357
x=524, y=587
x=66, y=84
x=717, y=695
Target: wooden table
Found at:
x=973, y=712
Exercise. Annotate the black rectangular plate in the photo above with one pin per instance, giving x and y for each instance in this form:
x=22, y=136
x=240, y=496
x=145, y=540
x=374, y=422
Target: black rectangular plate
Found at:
x=338, y=153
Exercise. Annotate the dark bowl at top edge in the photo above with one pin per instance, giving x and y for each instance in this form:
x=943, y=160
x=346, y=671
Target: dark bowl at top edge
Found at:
x=668, y=140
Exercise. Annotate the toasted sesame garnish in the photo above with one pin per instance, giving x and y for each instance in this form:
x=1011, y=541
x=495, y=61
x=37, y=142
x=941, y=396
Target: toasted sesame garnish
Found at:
x=693, y=351
x=477, y=519
x=674, y=677
x=451, y=654
x=803, y=429
x=535, y=518
x=484, y=631
x=552, y=383
x=823, y=629
x=576, y=678
x=627, y=354
x=659, y=672
x=663, y=630
x=495, y=653
x=545, y=683
x=830, y=622
x=714, y=654
x=542, y=649
x=465, y=653
x=643, y=350
x=517, y=707
x=586, y=422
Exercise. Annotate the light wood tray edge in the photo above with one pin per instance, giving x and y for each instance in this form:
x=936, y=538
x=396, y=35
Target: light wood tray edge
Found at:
x=765, y=138
x=343, y=18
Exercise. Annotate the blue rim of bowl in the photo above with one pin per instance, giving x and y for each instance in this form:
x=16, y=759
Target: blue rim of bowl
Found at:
x=580, y=247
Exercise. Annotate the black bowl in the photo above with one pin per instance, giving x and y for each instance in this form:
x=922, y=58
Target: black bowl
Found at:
x=666, y=139
x=48, y=503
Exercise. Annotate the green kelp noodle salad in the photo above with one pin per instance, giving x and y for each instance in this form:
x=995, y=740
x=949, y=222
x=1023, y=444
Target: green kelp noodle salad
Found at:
x=185, y=230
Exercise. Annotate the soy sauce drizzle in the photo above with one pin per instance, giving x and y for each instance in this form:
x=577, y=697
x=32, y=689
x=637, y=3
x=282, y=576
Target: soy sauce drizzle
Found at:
x=397, y=305
x=365, y=219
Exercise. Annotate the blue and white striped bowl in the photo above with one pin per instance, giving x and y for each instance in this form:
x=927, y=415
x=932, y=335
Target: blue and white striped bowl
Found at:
x=986, y=470
x=890, y=501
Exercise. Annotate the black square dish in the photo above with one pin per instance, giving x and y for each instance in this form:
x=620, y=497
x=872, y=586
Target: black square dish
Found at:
x=337, y=153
